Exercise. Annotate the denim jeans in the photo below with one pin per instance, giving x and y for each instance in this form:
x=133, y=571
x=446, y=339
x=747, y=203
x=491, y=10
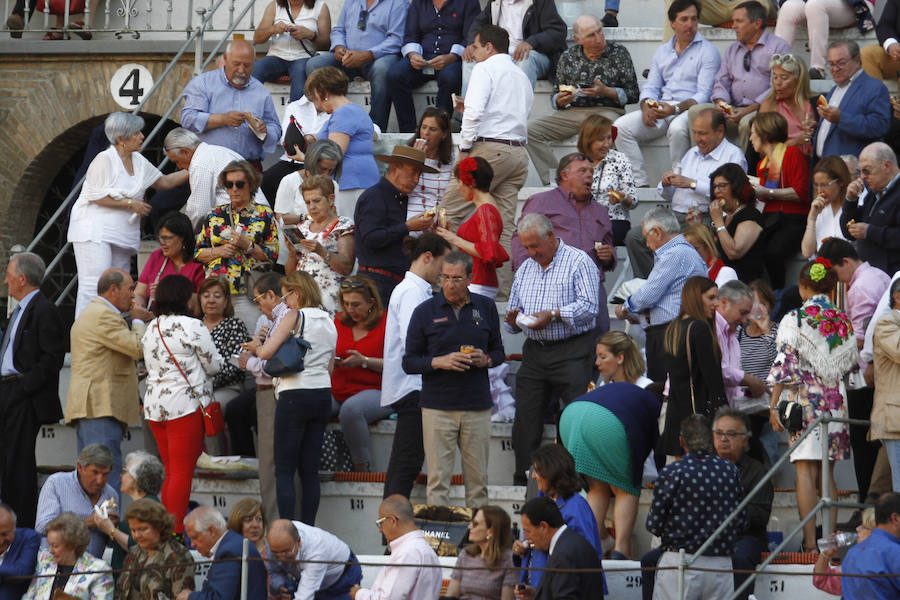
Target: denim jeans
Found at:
x=270, y=68
x=107, y=431
x=376, y=73
x=300, y=420
x=403, y=79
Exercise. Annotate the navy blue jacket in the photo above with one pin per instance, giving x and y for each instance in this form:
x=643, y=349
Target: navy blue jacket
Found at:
x=438, y=31
x=223, y=581
x=380, y=218
x=434, y=330
x=865, y=118
x=20, y=560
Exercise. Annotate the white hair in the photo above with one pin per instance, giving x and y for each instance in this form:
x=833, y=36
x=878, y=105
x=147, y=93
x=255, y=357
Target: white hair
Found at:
x=204, y=517
x=663, y=218
x=121, y=124
x=180, y=138
x=734, y=290
x=537, y=222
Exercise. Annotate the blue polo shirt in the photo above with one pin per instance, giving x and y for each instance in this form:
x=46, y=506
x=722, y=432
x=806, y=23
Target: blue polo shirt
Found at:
x=879, y=553
x=435, y=330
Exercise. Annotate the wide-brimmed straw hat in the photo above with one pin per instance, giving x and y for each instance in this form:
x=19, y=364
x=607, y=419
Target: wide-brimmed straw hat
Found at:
x=407, y=155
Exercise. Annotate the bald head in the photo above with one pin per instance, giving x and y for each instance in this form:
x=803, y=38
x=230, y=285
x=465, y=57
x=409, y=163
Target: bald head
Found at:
x=587, y=31
x=239, y=58
x=283, y=529
x=877, y=165
x=585, y=23
x=117, y=287
x=396, y=517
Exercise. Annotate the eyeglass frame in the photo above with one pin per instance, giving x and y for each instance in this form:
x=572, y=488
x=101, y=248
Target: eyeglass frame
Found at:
x=729, y=435
x=826, y=185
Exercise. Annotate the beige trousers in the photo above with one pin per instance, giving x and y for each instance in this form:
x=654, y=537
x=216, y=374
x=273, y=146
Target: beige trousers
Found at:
x=876, y=63
x=442, y=432
x=265, y=450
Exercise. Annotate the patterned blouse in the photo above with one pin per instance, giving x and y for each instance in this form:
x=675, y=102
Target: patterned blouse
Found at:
x=614, y=173
x=81, y=582
x=430, y=189
x=254, y=220
x=328, y=279
x=173, y=571
x=228, y=336
x=614, y=68
x=168, y=395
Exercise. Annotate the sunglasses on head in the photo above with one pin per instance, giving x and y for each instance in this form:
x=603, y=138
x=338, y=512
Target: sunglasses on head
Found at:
x=352, y=285
x=238, y=184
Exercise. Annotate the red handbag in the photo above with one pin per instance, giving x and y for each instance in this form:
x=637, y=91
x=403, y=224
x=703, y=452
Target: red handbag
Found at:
x=58, y=7
x=213, y=419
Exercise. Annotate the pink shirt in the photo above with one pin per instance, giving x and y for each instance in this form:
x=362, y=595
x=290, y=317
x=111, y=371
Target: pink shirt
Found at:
x=732, y=373
x=192, y=270
x=865, y=289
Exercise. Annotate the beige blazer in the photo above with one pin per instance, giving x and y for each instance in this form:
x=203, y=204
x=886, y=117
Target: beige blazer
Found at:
x=885, y=419
x=104, y=379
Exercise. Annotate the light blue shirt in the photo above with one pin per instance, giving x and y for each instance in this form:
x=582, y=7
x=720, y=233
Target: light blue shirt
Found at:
x=6, y=366
x=676, y=78
x=699, y=166
x=62, y=492
x=384, y=27
x=211, y=93
x=674, y=263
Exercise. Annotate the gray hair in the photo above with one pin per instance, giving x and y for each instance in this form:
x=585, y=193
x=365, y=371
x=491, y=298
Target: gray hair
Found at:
x=204, y=517
x=696, y=434
x=852, y=162
x=9, y=509
x=109, y=278
x=663, y=218
x=122, y=124
x=535, y=221
x=180, y=138
x=734, y=290
x=851, y=46
x=576, y=26
x=399, y=506
x=727, y=411
x=459, y=258
x=97, y=455
x=146, y=470
x=31, y=266
x=323, y=150
x=881, y=152
x=895, y=287
x=73, y=531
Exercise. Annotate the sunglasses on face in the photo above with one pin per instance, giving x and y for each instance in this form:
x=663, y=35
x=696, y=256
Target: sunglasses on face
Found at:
x=363, y=19
x=238, y=184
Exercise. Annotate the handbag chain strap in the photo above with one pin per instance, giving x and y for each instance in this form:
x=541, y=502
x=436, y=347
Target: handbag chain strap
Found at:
x=687, y=345
x=180, y=370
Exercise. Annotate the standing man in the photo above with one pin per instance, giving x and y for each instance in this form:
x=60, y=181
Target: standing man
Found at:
x=879, y=554
x=692, y=497
x=554, y=301
x=658, y=301
x=381, y=223
x=292, y=544
x=735, y=303
x=577, y=220
x=874, y=227
x=408, y=547
x=31, y=355
x=18, y=554
x=399, y=389
x=453, y=339
x=859, y=107
x=602, y=76
x=365, y=42
x=744, y=77
x=494, y=127
x=227, y=107
x=682, y=74
x=103, y=396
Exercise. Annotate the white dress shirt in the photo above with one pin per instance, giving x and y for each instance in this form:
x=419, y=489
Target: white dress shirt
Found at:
x=697, y=166
x=512, y=13
x=555, y=539
x=318, y=544
x=836, y=96
x=828, y=224
x=407, y=583
x=395, y=382
x=497, y=102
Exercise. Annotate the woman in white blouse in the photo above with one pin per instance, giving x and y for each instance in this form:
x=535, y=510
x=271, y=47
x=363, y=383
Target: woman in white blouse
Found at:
x=181, y=359
x=435, y=139
x=830, y=180
x=105, y=226
x=304, y=399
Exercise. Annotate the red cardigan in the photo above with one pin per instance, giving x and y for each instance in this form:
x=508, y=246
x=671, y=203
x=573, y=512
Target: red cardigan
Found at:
x=794, y=174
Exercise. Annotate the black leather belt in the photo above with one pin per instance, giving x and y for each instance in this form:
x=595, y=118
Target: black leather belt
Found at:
x=5, y=378
x=499, y=141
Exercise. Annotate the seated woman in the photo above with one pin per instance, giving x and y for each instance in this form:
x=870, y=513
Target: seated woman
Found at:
x=67, y=566
x=247, y=519
x=490, y=535
x=612, y=173
x=434, y=129
x=323, y=157
x=175, y=256
x=701, y=239
x=159, y=565
x=784, y=188
x=737, y=223
x=828, y=578
x=356, y=379
x=479, y=235
x=831, y=177
x=790, y=97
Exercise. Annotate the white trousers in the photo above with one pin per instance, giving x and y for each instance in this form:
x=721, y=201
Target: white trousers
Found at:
x=818, y=16
x=91, y=259
x=633, y=132
x=698, y=585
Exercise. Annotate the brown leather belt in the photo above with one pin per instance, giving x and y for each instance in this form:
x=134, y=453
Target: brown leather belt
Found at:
x=499, y=141
x=264, y=387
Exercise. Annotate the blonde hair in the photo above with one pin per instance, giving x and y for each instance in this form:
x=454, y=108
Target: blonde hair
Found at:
x=797, y=68
x=620, y=342
x=305, y=286
x=699, y=235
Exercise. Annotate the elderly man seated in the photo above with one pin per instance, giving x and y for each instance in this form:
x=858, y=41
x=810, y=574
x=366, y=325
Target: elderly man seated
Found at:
x=18, y=554
x=593, y=77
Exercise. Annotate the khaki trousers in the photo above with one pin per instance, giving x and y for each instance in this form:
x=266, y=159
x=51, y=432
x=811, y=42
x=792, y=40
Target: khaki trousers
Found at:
x=555, y=127
x=265, y=427
x=510, y=164
x=712, y=12
x=442, y=432
x=878, y=64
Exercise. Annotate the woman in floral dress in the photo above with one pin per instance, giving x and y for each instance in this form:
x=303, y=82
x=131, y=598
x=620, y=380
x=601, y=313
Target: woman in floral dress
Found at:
x=816, y=348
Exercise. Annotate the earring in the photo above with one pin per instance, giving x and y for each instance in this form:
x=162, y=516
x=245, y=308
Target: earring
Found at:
x=489, y=536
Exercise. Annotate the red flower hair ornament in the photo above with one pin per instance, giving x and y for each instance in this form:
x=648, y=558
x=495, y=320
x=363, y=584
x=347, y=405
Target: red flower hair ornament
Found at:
x=466, y=168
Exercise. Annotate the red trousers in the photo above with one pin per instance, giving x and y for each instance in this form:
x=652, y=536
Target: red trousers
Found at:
x=180, y=442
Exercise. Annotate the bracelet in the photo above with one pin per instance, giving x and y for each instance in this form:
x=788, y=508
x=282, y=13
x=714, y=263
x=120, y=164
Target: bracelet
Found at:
x=250, y=247
x=365, y=364
x=720, y=228
x=130, y=202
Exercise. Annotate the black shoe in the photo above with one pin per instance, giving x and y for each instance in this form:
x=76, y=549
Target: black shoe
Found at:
x=816, y=73
x=852, y=523
x=646, y=73
x=609, y=20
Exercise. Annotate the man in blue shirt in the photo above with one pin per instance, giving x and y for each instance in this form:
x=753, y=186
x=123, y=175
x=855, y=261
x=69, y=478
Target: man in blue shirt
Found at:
x=433, y=45
x=876, y=555
x=365, y=42
x=227, y=107
x=452, y=340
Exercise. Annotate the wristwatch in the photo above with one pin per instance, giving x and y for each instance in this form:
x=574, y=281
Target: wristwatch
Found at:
x=693, y=185
x=677, y=108
x=720, y=228
x=365, y=364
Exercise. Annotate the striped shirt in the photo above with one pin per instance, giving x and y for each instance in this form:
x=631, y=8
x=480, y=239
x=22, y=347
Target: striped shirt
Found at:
x=569, y=283
x=62, y=492
x=429, y=190
x=758, y=353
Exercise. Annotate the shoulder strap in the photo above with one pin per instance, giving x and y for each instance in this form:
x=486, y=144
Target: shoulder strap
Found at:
x=687, y=341
x=178, y=366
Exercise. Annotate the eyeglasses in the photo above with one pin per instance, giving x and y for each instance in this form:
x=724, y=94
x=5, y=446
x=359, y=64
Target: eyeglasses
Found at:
x=165, y=239
x=351, y=284
x=838, y=64
x=721, y=186
x=238, y=184
x=453, y=280
x=363, y=19
x=747, y=60
x=287, y=294
x=379, y=523
x=258, y=297
x=729, y=435
x=823, y=186
x=866, y=172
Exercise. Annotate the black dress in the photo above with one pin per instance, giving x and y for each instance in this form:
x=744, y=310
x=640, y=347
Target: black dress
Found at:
x=706, y=372
x=753, y=264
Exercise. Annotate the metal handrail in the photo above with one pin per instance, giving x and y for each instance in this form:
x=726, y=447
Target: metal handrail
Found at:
x=825, y=502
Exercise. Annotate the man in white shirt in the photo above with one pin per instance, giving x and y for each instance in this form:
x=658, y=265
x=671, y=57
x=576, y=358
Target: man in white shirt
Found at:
x=494, y=127
x=204, y=162
x=291, y=541
x=688, y=189
x=398, y=389
x=408, y=547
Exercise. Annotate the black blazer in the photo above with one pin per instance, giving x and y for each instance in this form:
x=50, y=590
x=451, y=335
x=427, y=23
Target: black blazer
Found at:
x=38, y=352
x=881, y=246
x=571, y=552
x=889, y=23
